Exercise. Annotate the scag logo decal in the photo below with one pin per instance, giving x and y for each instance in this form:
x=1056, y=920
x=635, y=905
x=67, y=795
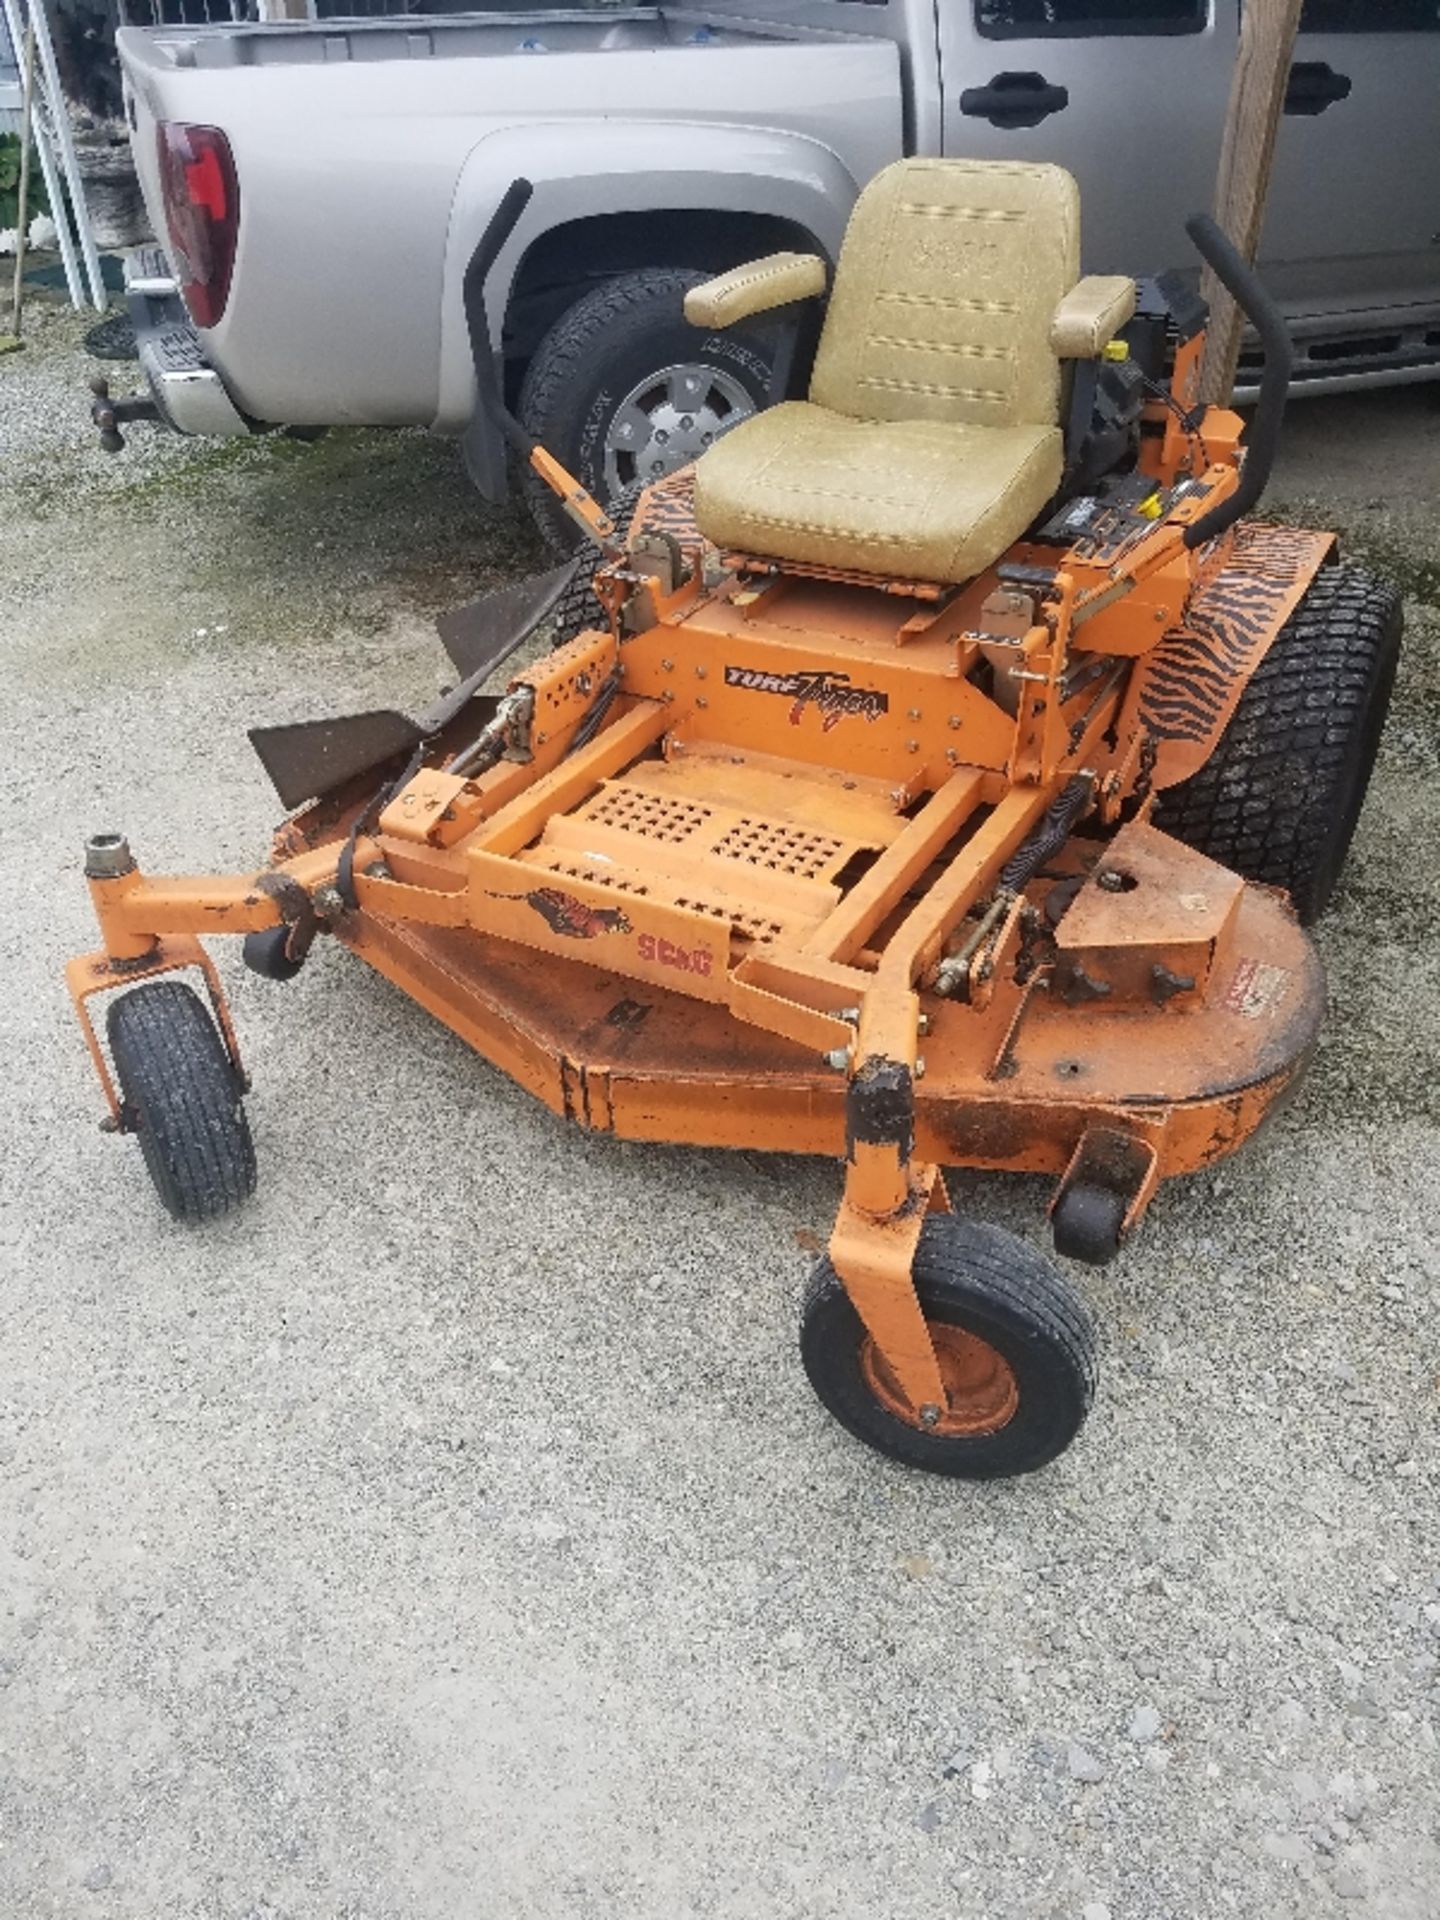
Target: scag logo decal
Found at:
x=684, y=959
x=830, y=693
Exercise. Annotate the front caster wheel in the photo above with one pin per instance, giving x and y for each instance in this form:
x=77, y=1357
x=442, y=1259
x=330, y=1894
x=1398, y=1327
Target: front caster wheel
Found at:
x=1015, y=1344
x=179, y=1093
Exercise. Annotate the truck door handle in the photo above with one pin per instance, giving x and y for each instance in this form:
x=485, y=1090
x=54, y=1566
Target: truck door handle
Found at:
x=1313, y=86
x=1015, y=100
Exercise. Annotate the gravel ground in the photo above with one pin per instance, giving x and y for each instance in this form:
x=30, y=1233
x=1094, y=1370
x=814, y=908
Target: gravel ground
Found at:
x=454, y=1533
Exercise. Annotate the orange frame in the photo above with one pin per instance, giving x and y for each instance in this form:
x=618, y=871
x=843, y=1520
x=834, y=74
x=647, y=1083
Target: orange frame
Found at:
x=818, y=728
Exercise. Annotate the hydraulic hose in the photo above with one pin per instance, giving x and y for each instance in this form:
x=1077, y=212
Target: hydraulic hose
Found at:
x=1262, y=439
x=1049, y=836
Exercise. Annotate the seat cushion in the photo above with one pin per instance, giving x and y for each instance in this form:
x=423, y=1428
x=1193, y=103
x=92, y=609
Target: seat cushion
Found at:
x=912, y=499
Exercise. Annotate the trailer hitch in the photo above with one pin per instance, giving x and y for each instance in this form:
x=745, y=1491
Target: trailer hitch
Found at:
x=110, y=414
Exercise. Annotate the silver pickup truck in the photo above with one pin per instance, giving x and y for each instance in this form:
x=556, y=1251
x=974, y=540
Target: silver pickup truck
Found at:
x=322, y=186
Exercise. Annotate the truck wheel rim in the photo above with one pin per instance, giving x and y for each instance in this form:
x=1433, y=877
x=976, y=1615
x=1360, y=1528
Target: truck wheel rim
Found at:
x=668, y=419
x=981, y=1391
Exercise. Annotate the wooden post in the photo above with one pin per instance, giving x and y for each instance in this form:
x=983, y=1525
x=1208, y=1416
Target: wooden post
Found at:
x=1257, y=95
x=22, y=202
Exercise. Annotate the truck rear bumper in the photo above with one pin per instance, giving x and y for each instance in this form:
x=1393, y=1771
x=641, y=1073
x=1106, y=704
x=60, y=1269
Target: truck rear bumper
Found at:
x=188, y=391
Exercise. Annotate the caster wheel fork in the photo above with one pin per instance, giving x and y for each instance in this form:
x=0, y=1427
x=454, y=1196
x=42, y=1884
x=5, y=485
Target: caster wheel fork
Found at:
x=1011, y=1340
x=943, y=1344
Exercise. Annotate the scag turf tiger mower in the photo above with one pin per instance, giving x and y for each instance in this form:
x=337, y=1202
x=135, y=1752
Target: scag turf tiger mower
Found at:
x=938, y=772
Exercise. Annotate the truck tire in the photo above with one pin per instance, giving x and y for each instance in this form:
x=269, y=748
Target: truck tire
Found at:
x=623, y=390
x=1279, y=799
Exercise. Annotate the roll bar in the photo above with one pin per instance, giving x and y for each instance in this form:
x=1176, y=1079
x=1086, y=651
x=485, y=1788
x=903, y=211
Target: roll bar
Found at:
x=513, y=203
x=1262, y=440
x=587, y=514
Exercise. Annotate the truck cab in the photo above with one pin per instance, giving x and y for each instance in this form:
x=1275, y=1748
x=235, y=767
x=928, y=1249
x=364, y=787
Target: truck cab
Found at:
x=318, y=189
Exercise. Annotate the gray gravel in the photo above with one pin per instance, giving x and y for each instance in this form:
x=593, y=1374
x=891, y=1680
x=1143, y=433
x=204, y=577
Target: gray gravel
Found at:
x=453, y=1532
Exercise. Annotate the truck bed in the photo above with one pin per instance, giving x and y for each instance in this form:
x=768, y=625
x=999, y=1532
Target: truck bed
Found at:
x=467, y=37
x=357, y=143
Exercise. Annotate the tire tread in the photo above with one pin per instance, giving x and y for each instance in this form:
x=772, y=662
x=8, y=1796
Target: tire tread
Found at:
x=1278, y=799
x=179, y=1090
x=577, y=608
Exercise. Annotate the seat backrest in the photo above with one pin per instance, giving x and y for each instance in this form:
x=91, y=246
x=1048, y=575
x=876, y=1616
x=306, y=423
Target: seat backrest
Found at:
x=944, y=294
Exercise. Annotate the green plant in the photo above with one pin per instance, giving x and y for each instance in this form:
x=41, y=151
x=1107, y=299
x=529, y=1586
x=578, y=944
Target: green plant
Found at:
x=10, y=182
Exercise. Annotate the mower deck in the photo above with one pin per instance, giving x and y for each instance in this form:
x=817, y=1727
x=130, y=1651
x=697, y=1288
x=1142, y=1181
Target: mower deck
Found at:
x=1013, y=1084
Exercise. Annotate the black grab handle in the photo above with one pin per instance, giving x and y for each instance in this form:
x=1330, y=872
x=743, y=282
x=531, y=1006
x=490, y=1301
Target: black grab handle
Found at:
x=1313, y=86
x=1262, y=441
x=1015, y=100
x=513, y=203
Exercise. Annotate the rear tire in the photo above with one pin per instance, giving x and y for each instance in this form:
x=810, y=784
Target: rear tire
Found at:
x=181, y=1096
x=1279, y=799
x=1006, y=1323
x=605, y=362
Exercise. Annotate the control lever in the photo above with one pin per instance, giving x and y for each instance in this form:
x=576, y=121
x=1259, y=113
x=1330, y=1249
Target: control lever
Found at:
x=109, y=415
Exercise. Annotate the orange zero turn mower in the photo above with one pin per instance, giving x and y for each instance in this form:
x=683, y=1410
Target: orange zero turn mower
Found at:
x=939, y=772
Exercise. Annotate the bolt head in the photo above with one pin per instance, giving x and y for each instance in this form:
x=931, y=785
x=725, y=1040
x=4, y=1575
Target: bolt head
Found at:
x=838, y=1058
x=929, y=1415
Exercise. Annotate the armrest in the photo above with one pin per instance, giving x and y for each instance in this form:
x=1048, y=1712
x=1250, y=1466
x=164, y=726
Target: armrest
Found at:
x=1091, y=313
x=755, y=288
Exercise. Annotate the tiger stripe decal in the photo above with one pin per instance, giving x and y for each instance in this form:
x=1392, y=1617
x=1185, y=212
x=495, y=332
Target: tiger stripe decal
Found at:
x=1186, y=690
x=669, y=507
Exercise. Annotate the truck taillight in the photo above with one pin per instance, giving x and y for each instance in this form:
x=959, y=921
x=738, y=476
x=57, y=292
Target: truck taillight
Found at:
x=202, y=211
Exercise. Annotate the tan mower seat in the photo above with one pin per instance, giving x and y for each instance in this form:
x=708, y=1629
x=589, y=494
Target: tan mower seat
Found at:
x=931, y=438
x=918, y=499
